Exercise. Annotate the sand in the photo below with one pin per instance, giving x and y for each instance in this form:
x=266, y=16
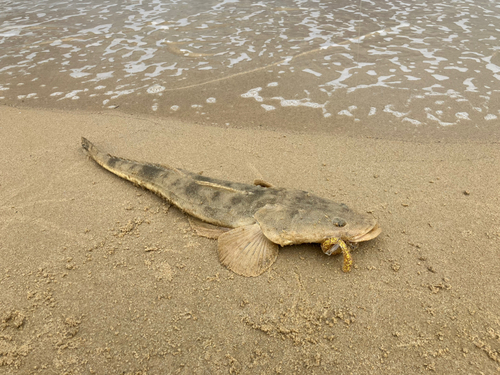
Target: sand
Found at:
x=98, y=276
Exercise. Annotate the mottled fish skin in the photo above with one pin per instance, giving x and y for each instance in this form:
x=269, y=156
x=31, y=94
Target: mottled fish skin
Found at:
x=286, y=216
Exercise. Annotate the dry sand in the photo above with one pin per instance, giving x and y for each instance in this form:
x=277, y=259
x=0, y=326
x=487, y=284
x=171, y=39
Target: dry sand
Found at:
x=99, y=276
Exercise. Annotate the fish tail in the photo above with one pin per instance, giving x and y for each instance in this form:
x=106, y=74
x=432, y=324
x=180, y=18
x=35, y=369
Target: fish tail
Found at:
x=149, y=176
x=99, y=157
x=89, y=147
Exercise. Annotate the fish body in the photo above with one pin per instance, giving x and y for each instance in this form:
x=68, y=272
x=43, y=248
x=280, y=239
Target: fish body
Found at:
x=250, y=221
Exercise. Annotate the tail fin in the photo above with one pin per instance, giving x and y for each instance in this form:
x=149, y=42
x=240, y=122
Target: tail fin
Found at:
x=99, y=157
x=89, y=147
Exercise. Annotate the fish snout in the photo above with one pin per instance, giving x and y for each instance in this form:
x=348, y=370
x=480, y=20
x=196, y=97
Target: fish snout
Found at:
x=366, y=235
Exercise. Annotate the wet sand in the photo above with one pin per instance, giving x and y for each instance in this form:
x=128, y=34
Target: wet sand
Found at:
x=99, y=276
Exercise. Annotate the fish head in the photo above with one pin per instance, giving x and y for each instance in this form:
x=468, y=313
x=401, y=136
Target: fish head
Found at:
x=315, y=223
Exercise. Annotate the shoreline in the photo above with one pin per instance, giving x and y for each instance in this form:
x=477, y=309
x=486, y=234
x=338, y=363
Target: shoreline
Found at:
x=346, y=127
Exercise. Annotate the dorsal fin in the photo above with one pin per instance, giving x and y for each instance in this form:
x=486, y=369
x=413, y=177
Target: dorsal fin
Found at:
x=221, y=187
x=260, y=182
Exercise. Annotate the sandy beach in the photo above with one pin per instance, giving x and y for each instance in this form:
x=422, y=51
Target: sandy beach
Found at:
x=389, y=107
x=99, y=276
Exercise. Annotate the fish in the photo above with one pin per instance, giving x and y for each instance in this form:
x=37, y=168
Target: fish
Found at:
x=250, y=221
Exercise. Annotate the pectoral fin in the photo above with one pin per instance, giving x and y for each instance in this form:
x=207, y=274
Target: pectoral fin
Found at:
x=246, y=251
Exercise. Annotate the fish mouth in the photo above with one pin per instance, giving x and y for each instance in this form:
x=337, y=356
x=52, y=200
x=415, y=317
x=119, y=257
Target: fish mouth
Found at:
x=370, y=234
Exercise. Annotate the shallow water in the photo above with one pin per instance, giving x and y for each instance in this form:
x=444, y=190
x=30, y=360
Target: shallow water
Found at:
x=376, y=67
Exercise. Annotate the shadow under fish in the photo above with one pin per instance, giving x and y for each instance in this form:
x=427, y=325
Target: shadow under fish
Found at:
x=250, y=222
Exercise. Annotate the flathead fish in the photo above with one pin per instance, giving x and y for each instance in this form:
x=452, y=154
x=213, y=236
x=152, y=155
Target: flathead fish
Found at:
x=250, y=222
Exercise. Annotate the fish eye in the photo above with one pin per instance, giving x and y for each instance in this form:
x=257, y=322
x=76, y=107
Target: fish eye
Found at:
x=338, y=222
